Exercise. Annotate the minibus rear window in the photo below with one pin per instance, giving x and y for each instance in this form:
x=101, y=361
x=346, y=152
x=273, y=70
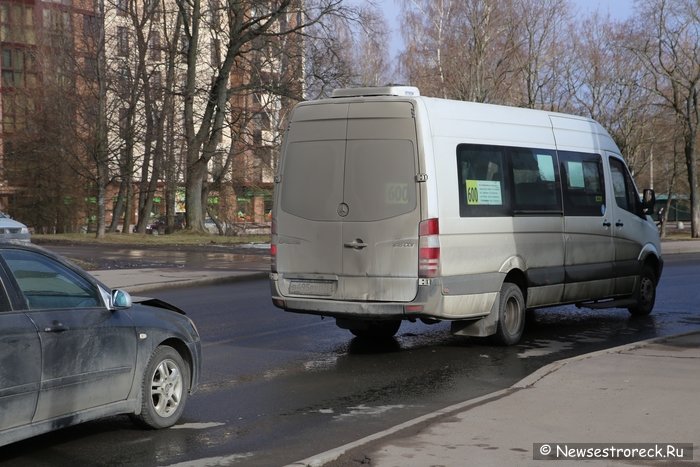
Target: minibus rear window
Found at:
x=313, y=179
x=379, y=179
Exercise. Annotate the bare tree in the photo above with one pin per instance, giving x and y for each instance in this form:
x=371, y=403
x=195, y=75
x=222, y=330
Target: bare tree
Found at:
x=461, y=50
x=668, y=45
x=543, y=49
x=609, y=85
x=246, y=22
x=370, y=57
x=428, y=30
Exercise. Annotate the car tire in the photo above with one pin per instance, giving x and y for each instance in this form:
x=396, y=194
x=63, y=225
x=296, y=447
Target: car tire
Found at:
x=645, y=294
x=377, y=329
x=164, y=389
x=511, y=315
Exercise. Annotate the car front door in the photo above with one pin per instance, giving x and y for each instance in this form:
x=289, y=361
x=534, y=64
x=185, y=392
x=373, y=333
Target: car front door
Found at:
x=88, y=351
x=20, y=366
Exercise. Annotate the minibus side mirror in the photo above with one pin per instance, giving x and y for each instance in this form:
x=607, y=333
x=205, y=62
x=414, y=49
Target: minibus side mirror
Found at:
x=648, y=201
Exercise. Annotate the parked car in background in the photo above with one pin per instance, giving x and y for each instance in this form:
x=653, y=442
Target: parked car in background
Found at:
x=159, y=225
x=13, y=231
x=73, y=350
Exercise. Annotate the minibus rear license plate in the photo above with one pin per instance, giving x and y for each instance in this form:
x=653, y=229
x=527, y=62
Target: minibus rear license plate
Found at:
x=316, y=288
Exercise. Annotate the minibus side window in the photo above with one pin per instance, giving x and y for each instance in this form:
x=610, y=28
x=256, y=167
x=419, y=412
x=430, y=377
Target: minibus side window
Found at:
x=583, y=184
x=482, y=187
x=625, y=192
x=535, y=181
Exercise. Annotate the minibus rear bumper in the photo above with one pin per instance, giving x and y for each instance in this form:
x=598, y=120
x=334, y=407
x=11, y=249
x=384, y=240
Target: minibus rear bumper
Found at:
x=432, y=300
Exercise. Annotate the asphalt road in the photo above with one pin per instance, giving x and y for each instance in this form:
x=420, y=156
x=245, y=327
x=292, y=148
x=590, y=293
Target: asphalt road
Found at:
x=278, y=387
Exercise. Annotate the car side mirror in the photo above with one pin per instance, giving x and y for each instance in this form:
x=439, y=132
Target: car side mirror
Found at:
x=121, y=299
x=648, y=201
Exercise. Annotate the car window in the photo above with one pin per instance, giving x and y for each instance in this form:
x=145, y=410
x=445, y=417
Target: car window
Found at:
x=4, y=299
x=47, y=284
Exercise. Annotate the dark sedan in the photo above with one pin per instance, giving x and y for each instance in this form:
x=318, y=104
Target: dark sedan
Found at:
x=73, y=350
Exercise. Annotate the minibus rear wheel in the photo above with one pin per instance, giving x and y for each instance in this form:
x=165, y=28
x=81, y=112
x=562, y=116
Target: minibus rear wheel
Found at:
x=511, y=315
x=384, y=329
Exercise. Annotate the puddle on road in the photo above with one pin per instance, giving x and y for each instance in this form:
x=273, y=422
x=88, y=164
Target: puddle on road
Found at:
x=541, y=348
x=366, y=411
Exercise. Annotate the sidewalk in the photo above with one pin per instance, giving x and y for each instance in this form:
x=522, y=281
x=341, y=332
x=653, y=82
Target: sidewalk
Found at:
x=671, y=247
x=645, y=392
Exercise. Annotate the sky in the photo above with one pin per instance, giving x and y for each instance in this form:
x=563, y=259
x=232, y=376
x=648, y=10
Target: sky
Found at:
x=618, y=9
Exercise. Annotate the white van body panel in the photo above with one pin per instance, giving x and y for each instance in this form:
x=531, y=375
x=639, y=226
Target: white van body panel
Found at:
x=346, y=264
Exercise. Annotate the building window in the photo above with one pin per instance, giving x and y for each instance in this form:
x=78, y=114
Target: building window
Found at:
x=91, y=27
x=157, y=85
x=90, y=68
x=215, y=13
x=122, y=41
x=184, y=43
x=215, y=53
x=123, y=123
x=17, y=23
x=152, y=8
x=122, y=7
x=123, y=81
x=16, y=108
x=15, y=64
x=154, y=45
x=56, y=21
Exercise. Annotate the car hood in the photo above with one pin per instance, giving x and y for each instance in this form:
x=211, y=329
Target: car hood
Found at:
x=7, y=223
x=154, y=302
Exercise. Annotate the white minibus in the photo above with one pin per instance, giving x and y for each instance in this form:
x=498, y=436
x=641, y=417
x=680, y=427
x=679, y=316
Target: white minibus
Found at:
x=393, y=206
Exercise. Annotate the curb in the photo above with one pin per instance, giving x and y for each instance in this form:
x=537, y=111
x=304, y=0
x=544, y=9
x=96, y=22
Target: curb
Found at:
x=525, y=383
x=329, y=456
x=241, y=277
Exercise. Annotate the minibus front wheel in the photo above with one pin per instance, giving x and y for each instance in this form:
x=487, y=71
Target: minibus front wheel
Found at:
x=511, y=315
x=645, y=295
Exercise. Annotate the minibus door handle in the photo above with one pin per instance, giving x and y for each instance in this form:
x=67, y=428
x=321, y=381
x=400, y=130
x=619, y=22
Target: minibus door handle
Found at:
x=606, y=223
x=619, y=223
x=356, y=245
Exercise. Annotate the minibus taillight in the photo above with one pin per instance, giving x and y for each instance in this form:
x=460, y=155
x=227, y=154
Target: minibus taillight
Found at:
x=273, y=258
x=428, y=248
x=273, y=247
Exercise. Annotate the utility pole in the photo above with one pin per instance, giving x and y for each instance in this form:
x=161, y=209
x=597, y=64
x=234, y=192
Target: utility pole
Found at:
x=651, y=168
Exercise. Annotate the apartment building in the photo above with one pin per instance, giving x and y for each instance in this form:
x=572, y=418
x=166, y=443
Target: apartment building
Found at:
x=144, y=72
x=146, y=51
x=39, y=52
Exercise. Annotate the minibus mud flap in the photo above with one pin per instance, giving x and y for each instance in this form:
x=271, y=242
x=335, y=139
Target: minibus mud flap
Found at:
x=481, y=327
